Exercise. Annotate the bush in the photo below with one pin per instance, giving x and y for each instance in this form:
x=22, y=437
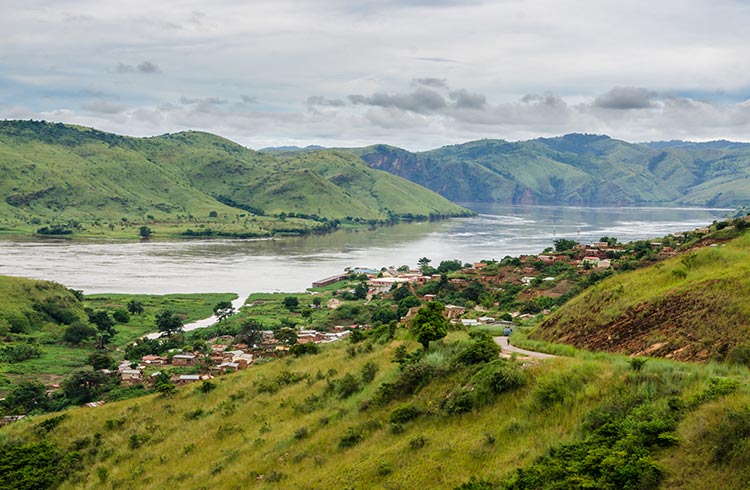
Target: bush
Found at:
x=351, y=438
x=482, y=348
x=121, y=316
x=77, y=332
x=301, y=433
x=14, y=353
x=732, y=436
x=347, y=386
x=411, y=379
x=298, y=350
x=405, y=413
x=369, y=370
x=740, y=354
x=417, y=442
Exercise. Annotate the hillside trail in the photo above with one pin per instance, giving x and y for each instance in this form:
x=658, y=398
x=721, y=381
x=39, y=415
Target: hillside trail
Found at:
x=508, y=349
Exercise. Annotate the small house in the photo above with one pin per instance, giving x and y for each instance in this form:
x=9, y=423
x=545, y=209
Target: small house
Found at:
x=184, y=360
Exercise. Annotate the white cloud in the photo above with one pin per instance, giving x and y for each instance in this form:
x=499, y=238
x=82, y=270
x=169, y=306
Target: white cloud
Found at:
x=420, y=73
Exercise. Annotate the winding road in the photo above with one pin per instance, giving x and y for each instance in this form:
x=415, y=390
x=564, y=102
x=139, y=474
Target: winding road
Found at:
x=509, y=349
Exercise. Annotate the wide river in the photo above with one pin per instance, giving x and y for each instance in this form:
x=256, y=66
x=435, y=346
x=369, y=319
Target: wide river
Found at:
x=291, y=264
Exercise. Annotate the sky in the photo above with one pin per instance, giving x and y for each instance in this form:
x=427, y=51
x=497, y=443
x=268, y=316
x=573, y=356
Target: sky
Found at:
x=417, y=74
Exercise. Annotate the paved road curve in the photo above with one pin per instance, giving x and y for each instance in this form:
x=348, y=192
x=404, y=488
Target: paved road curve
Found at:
x=507, y=348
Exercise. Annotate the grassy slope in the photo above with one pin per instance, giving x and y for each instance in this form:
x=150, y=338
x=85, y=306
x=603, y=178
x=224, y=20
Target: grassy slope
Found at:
x=55, y=173
x=687, y=308
x=228, y=437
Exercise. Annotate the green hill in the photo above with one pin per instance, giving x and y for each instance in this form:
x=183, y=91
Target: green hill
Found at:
x=90, y=182
x=576, y=169
x=28, y=305
x=690, y=307
x=438, y=421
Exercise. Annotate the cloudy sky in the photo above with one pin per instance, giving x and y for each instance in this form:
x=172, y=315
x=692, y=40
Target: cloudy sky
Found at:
x=413, y=73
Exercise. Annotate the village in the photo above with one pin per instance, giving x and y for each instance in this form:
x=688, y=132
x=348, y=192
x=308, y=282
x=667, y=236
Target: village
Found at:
x=531, y=275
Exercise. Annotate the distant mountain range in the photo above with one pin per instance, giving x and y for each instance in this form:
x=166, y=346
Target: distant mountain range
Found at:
x=576, y=169
x=56, y=173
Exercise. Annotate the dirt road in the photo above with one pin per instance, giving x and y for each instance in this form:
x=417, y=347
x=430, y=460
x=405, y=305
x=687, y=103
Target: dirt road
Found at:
x=509, y=349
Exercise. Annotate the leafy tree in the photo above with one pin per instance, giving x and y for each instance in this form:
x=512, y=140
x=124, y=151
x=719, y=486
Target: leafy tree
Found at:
x=27, y=397
x=164, y=385
x=384, y=314
x=424, y=266
x=85, y=386
x=223, y=310
x=429, y=324
x=316, y=301
x=360, y=292
x=250, y=333
x=401, y=292
x=168, y=323
x=286, y=335
x=105, y=324
x=306, y=312
x=121, y=316
x=405, y=304
x=291, y=303
x=562, y=244
x=135, y=307
x=78, y=332
x=145, y=232
x=101, y=360
x=449, y=266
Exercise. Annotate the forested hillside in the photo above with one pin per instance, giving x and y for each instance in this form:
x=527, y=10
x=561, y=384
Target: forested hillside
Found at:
x=576, y=169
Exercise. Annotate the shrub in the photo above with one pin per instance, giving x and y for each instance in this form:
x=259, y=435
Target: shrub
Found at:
x=121, y=316
x=77, y=332
x=298, y=350
x=417, y=442
x=207, y=386
x=731, y=436
x=351, y=437
x=410, y=380
x=482, y=348
x=347, y=386
x=405, y=413
x=369, y=370
x=301, y=433
x=740, y=354
x=636, y=363
x=460, y=401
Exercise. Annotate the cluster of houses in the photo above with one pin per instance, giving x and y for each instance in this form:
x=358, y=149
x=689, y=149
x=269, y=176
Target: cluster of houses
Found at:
x=222, y=358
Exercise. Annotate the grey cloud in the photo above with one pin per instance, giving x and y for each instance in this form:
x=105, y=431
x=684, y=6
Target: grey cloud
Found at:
x=203, y=101
x=248, y=99
x=436, y=59
x=422, y=100
x=545, y=99
x=103, y=107
x=463, y=99
x=317, y=100
x=431, y=82
x=624, y=98
x=146, y=67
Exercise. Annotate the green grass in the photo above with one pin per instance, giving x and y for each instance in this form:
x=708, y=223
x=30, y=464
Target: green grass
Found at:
x=190, y=307
x=228, y=437
x=696, y=301
x=59, y=358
